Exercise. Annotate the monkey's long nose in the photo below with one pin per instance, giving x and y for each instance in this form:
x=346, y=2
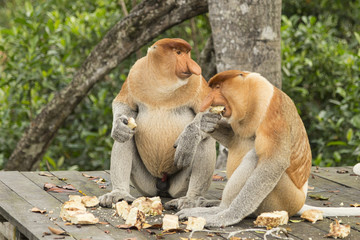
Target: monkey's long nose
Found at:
x=207, y=102
x=193, y=67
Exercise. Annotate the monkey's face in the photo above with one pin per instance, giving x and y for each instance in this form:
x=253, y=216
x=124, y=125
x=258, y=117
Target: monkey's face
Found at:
x=173, y=57
x=216, y=98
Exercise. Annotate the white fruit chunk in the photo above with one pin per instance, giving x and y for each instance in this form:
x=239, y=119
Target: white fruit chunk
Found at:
x=272, y=219
x=170, y=222
x=312, y=215
x=84, y=218
x=122, y=209
x=217, y=109
x=196, y=224
x=338, y=230
x=131, y=123
x=89, y=201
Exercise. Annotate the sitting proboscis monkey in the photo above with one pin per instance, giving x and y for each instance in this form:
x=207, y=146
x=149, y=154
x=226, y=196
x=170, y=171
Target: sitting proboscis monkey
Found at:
x=269, y=157
x=163, y=93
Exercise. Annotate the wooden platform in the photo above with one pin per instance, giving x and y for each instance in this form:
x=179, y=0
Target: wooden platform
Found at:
x=21, y=191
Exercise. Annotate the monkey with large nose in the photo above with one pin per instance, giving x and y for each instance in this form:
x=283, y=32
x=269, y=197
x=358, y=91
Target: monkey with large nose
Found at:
x=163, y=93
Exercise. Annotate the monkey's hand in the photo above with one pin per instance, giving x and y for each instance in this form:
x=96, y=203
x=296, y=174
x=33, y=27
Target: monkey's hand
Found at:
x=190, y=202
x=121, y=132
x=209, y=122
x=186, y=146
x=115, y=196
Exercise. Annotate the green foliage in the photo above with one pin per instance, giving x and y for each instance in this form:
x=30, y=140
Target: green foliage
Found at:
x=321, y=74
x=45, y=43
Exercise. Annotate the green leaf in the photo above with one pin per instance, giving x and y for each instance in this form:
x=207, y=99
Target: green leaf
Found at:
x=349, y=134
x=28, y=9
x=357, y=36
x=355, y=121
x=318, y=197
x=336, y=143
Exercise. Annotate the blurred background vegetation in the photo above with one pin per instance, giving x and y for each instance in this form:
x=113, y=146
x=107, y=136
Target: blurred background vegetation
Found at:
x=45, y=41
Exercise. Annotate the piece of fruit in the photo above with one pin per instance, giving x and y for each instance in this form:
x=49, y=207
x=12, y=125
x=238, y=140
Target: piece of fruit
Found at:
x=217, y=109
x=272, y=219
x=312, y=215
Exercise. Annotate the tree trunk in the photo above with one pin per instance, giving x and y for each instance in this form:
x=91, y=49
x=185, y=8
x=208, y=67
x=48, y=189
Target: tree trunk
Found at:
x=146, y=21
x=207, y=60
x=247, y=36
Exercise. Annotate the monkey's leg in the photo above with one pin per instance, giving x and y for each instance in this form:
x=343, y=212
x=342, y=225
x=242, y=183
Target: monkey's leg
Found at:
x=124, y=160
x=257, y=187
x=232, y=188
x=285, y=196
x=195, y=180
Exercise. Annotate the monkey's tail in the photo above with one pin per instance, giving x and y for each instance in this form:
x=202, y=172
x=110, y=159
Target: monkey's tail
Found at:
x=333, y=211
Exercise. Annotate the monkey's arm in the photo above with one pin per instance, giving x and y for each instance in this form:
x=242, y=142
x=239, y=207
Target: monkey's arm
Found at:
x=121, y=113
x=187, y=142
x=217, y=127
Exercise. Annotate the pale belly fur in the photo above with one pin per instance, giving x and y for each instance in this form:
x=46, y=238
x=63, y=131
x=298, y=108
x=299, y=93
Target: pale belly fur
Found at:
x=156, y=133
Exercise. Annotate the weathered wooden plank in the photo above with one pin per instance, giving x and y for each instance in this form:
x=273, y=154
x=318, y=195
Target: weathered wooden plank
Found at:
x=37, y=197
x=67, y=177
x=91, y=188
x=348, y=179
x=338, y=194
x=152, y=219
x=17, y=211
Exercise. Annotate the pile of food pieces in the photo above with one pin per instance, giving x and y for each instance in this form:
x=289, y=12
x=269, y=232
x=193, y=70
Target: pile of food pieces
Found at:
x=134, y=215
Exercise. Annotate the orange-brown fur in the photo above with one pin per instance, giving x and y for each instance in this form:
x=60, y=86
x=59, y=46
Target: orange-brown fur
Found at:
x=264, y=117
x=161, y=95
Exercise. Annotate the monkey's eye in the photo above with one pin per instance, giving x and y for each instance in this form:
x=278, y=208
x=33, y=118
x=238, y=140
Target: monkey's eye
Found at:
x=178, y=52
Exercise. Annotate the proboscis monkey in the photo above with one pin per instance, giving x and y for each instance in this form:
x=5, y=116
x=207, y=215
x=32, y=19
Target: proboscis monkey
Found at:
x=269, y=153
x=163, y=93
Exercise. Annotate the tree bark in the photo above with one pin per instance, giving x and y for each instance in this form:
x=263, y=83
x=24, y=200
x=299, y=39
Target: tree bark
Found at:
x=247, y=36
x=207, y=60
x=146, y=21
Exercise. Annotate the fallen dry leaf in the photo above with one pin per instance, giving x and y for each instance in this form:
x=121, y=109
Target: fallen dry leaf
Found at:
x=49, y=187
x=45, y=174
x=342, y=171
x=216, y=177
x=87, y=176
x=355, y=205
x=318, y=197
x=124, y=226
x=36, y=210
x=57, y=231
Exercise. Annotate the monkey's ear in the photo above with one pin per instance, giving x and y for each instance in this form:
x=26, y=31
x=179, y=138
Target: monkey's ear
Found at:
x=193, y=67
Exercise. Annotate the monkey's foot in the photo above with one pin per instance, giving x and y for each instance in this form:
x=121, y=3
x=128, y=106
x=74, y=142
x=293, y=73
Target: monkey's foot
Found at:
x=198, y=212
x=114, y=196
x=190, y=202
